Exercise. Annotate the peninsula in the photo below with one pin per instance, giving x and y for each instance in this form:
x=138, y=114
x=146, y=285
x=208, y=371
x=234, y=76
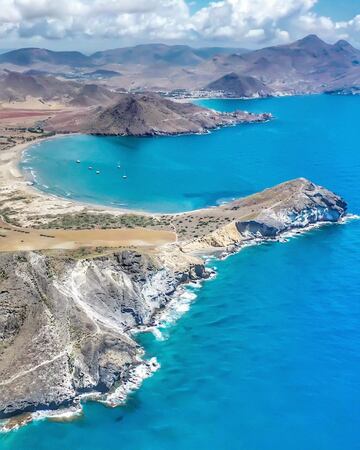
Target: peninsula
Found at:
x=68, y=316
x=147, y=115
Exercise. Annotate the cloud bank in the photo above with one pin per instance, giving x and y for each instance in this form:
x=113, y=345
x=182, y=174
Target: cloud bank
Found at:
x=235, y=22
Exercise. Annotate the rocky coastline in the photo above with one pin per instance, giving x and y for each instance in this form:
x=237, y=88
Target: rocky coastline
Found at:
x=67, y=322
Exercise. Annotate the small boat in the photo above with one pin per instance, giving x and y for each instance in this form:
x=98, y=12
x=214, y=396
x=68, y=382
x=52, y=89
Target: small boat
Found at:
x=90, y=168
x=118, y=166
x=124, y=176
x=78, y=161
x=97, y=172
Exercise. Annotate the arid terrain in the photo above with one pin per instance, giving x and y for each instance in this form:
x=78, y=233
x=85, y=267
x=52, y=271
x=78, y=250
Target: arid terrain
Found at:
x=80, y=307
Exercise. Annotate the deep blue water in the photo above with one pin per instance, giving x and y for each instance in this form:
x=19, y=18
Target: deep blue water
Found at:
x=268, y=357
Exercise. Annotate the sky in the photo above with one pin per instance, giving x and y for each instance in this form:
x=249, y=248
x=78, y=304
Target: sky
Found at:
x=90, y=25
x=337, y=9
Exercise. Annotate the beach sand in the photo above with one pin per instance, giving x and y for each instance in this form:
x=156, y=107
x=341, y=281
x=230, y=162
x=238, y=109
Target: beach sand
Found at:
x=20, y=239
x=27, y=202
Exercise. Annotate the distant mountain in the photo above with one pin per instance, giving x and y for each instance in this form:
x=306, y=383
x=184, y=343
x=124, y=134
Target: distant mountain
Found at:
x=31, y=56
x=147, y=54
x=93, y=94
x=17, y=87
x=305, y=66
x=235, y=85
x=151, y=54
x=308, y=64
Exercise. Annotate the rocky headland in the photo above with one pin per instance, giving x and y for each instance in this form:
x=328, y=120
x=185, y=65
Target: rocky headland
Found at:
x=67, y=318
x=147, y=115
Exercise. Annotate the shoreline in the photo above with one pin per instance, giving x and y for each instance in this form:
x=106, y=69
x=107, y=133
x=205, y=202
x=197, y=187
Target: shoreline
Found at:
x=13, y=181
x=14, y=174
x=13, y=178
x=20, y=151
x=162, y=319
x=26, y=202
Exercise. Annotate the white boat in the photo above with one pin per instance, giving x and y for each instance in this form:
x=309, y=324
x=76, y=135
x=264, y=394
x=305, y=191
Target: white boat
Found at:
x=124, y=176
x=97, y=172
x=118, y=166
x=90, y=168
x=78, y=161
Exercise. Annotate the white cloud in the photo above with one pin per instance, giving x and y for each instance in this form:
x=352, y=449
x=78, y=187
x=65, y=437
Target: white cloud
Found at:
x=240, y=22
x=267, y=21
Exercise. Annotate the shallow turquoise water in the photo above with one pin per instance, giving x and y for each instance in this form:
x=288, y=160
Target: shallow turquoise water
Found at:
x=311, y=136
x=268, y=355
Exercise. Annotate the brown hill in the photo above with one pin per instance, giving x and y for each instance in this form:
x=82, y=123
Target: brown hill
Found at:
x=236, y=85
x=17, y=87
x=147, y=114
x=92, y=94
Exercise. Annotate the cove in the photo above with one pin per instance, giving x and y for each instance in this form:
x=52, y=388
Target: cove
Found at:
x=310, y=136
x=267, y=357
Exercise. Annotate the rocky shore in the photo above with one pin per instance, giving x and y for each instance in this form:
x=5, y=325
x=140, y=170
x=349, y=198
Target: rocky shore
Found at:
x=67, y=321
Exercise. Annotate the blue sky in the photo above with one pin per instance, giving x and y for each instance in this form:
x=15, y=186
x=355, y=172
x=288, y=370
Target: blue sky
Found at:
x=337, y=9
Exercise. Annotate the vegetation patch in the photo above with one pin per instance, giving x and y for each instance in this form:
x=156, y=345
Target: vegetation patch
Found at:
x=84, y=220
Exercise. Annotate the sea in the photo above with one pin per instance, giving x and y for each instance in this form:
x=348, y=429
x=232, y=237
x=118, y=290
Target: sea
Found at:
x=266, y=355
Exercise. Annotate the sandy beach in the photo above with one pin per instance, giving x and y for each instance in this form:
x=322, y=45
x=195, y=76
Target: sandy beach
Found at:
x=27, y=203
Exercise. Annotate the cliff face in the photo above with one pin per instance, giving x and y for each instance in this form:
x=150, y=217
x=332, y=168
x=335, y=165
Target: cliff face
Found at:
x=289, y=206
x=65, y=324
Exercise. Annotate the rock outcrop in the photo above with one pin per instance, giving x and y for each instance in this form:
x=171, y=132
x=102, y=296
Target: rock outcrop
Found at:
x=293, y=205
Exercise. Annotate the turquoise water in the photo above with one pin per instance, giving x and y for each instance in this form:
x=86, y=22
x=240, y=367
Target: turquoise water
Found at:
x=311, y=136
x=267, y=358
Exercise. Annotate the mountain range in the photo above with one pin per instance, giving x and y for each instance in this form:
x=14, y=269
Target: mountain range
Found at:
x=147, y=54
x=308, y=65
